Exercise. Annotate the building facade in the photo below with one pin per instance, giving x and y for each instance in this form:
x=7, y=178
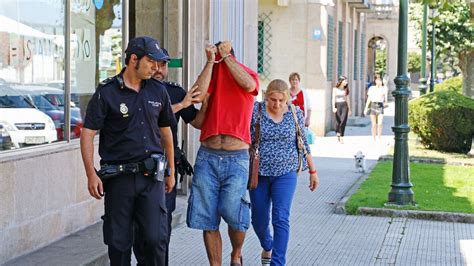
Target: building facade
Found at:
x=321, y=40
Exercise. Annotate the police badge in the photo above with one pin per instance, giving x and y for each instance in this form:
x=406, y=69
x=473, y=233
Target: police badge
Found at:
x=124, y=109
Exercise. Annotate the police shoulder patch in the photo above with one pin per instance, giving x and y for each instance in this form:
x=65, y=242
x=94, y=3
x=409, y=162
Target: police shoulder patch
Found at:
x=105, y=82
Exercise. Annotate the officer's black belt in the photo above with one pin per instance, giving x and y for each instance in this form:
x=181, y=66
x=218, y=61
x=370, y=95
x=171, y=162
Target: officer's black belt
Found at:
x=147, y=167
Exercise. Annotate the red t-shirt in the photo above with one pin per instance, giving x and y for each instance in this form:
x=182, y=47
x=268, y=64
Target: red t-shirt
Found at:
x=230, y=107
x=299, y=101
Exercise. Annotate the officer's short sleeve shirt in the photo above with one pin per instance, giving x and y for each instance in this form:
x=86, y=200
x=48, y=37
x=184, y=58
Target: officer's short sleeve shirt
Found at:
x=129, y=121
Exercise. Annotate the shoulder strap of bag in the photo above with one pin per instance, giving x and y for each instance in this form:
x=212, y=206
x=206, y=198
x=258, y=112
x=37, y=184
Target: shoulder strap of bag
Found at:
x=257, y=128
x=299, y=134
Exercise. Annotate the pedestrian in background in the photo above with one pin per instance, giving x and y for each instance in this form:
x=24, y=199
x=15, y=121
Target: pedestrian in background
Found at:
x=134, y=116
x=278, y=170
x=299, y=97
x=376, y=100
x=221, y=171
x=182, y=105
x=341, y=106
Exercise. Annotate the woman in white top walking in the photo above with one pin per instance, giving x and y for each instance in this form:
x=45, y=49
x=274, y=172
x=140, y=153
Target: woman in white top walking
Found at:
x=341, y=106
x=376, y=99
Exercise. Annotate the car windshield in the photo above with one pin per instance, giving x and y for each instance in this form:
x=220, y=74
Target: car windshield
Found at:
x=16, y=101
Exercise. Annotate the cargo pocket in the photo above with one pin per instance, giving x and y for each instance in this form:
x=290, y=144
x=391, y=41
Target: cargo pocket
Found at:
x=106, y=230
x=244, y=213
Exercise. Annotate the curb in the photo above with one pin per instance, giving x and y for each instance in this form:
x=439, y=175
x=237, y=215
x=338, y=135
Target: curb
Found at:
x=340, y=207
x=428, y=160
x=422, y=215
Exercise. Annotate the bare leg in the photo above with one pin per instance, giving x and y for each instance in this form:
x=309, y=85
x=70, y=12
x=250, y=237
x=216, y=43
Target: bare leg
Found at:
x=237, y=240
x=373, y=119
x=213, y=242
x=380, y=125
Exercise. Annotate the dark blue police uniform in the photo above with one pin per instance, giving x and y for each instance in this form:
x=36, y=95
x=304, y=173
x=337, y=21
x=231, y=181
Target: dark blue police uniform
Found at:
x=129, y=123
x=176, y=94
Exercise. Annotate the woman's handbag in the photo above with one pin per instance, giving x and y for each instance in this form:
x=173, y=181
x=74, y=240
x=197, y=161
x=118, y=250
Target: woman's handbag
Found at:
x=299, y=141
x=254, y=153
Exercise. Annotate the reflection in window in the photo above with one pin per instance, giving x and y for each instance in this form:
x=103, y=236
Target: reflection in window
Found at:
x=31, y=58
x=96, y=48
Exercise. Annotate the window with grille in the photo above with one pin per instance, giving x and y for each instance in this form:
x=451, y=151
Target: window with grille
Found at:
x=330, y=49
x=356, y=43
x=340, y=49
x=264, y=42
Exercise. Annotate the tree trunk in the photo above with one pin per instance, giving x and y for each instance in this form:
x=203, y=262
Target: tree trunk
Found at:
x=466, y=63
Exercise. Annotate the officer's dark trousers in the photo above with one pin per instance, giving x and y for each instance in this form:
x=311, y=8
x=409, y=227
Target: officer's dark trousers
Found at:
x=129, y=200
x=138, y=244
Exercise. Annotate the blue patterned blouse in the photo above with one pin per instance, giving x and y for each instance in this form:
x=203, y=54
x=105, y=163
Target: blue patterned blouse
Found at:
x=278, y=150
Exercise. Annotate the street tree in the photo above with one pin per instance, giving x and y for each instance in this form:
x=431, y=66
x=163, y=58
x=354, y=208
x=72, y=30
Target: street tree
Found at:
x=454, y=35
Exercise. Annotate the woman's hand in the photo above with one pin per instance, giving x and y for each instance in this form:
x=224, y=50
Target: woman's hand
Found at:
x=350, y=112
x=313, y=181
x=334, y=109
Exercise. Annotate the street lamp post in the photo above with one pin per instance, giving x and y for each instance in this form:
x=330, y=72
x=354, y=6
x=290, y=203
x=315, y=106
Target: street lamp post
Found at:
x=422, y=80
x=434, y=4
x=401, y=192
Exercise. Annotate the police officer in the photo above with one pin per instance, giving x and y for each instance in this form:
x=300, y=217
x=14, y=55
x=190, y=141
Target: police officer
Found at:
x=182, y=106
x=134, y=116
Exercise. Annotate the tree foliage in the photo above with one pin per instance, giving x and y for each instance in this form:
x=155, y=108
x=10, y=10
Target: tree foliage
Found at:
x=414, y=62
x=453, y=29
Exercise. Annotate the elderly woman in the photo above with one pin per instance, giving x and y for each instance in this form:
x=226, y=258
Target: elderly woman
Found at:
x=278, y=170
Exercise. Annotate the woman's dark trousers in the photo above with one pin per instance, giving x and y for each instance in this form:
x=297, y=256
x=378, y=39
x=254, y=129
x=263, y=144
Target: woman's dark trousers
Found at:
x=341, y=117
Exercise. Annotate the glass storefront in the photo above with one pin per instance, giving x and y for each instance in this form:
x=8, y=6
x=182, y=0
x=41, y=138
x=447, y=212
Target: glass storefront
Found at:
x=33, y=65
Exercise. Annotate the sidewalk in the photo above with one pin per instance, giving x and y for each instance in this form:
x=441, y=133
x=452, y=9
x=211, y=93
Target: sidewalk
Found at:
x=321, y=237
x=318, y=235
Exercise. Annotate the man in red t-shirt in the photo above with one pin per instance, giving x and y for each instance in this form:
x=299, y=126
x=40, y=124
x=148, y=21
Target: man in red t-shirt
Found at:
x=222, y=163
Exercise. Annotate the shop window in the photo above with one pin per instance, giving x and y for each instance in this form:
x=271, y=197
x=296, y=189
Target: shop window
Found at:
x=96, y=50
x=31, y=67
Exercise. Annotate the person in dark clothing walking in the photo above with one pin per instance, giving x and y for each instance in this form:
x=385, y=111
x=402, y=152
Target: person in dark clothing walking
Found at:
x=182, y=106
x=341, y=106
x=134, y=116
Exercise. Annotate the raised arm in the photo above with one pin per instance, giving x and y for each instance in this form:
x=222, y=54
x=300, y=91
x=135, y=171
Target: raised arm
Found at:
x=241, y=76
x=204, y=79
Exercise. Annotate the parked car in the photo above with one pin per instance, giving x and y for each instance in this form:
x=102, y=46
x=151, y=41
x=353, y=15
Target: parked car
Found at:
x=51, y=101
x=25, y=124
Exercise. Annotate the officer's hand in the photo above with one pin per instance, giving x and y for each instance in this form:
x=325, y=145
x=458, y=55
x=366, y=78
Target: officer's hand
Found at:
x=211, y=52
x=170, y=182
x=95, y=186
x=190, y=97
x=224, y=48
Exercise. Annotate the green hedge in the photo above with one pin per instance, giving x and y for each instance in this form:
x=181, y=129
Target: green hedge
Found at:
x=444, y=120
x=451, y=84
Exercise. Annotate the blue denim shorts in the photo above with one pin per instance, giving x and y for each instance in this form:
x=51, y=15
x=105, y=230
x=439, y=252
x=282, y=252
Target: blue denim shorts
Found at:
x=219, y=189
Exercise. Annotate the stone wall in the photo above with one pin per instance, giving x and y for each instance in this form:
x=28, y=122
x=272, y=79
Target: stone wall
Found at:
x=43, y=197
